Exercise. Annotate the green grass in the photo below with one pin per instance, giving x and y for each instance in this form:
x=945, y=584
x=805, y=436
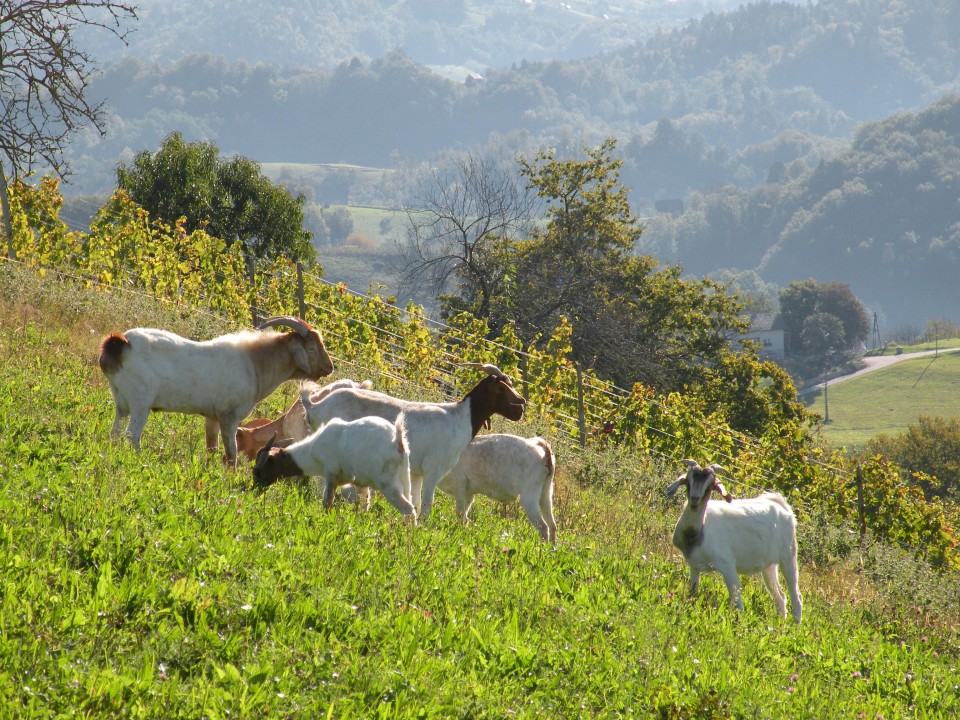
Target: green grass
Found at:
x=156, y=584
x=889, y=399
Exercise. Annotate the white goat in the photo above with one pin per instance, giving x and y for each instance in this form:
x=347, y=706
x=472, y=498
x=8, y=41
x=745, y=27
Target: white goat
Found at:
x=221, y=379
x=503, y=467
x=438, y=432
x=742, y=536
x=292, y=425
x=369, y=452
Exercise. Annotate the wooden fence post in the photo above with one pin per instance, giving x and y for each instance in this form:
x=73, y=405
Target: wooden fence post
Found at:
x=301, y=300
x=581, y=413
x=252, y=276
x=860, y=507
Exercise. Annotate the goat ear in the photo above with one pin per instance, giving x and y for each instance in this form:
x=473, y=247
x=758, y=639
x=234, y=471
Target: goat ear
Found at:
x=300, y=358
x=675, y=485
x=718, y=486
x=264, y=453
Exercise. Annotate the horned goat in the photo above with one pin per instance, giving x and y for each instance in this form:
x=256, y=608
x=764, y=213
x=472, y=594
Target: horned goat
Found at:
x=221, y=379
x=438, y=432
x=504, y=467
x=369, y=452
x=746, y=536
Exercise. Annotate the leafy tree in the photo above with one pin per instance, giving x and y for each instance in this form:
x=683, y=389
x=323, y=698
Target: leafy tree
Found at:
x=838, y=299
x=44, y=77
x=823, y=336
x=339, y=224
x=930, y=447
x=631, y=319
x=808, y=334
x=230, y=199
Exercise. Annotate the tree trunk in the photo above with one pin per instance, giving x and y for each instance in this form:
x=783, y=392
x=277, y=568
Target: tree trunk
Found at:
x=5, y=208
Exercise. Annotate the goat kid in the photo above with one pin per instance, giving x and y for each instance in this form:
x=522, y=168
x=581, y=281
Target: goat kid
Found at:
x=438, y=432
x=369, y=452
x=504, y=467
x=744, y=536
x=221, y=379
x=292, y=425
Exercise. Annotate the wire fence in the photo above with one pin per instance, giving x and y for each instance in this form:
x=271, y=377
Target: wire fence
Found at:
x=374, y=339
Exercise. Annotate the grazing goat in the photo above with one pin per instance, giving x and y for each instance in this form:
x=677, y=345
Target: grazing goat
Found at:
x=369, y=452
x=742, y=536
x=438, y=432
x=221, y=379
x=292, y=425
x=503, y=467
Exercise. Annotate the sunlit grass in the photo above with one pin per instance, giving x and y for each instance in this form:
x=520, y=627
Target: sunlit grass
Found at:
x=889, y=399
x=156, y=584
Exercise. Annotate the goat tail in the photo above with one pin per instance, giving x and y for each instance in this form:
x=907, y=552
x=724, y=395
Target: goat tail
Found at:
x=548, y=459
x=112, y=348
x=401, y=427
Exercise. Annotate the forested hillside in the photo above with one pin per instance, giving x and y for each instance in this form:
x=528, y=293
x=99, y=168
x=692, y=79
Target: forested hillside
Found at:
x=720, y=100
x=883, y=216
x=746, y=119
x=458, y=35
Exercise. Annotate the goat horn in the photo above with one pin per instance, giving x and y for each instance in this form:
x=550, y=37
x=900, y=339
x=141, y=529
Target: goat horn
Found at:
x=488, y=368
x=288, y=321
x=690, y=463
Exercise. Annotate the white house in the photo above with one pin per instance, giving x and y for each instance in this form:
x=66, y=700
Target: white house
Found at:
x=766, y=329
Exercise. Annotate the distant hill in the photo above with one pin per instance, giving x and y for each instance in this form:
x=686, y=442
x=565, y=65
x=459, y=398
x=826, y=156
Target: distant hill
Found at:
x=883, y=216
x=458, y=36
x=717, y=101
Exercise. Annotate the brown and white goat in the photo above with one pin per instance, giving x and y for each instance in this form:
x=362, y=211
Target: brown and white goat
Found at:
x=438, y=432
x=370, y=452
x=221, y=379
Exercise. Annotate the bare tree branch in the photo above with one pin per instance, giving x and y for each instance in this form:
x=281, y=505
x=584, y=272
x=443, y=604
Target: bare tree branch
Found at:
x=44, y=76
x=463, y=212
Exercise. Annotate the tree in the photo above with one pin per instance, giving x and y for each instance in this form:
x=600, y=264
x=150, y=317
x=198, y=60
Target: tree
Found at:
x=838, y=299
x=801, y=301
x=931, y=446
x=632, y=320
x=44, y=77
x=823, y=336
x=230, y=199
x=455, y=234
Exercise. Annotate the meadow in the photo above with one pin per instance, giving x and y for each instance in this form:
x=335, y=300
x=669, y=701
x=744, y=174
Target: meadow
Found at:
x=157, y=584
x=889, y=399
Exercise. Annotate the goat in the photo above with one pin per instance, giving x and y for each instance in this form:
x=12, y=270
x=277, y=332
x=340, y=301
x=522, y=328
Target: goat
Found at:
x=369, y=452
x=438, y=432
x=503, y=467
x=221, y=379
x=292, y=425
x=743, y=536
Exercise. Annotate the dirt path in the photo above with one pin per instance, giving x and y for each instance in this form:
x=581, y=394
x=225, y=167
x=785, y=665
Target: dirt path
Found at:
x=875, y=362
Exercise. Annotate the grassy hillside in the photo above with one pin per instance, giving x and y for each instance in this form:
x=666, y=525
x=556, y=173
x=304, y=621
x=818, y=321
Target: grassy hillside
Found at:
x=157, y=585
x=887, y=400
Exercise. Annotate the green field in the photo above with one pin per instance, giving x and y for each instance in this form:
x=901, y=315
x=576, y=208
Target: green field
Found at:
x=158, y=585
x=889, y=399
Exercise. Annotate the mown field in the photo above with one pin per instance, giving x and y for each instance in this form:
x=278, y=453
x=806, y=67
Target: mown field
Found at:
x=158, y=585
x=889, y=399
